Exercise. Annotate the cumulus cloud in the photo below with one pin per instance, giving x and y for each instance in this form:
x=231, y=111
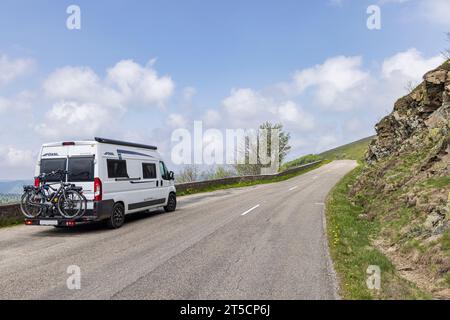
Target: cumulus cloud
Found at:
x=339, y=83
x=249, y=108
x=13, y=157
x=11, y=69
x=72, y=119
x=410, y=63
x=85, y=104
x=245, y=103
x=290, y=112
x=140, y=83
x=125, y=83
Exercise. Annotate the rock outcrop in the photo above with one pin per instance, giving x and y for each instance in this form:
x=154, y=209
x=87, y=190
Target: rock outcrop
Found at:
x=426, y=107
x=405, y=185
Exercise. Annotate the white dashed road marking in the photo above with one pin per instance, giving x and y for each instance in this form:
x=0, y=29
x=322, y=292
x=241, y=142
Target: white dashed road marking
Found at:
x=250, y=210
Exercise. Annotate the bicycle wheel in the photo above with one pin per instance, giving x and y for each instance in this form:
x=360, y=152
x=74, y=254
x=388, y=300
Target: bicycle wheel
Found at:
x=70, y=204
x=31, y=204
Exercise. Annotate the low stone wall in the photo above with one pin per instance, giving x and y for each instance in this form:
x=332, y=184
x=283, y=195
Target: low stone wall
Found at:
x=200, y=185
x=10, y=213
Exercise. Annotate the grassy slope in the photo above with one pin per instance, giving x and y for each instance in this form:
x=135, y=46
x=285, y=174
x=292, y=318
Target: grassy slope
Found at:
x=353, y=151
x=350, y=240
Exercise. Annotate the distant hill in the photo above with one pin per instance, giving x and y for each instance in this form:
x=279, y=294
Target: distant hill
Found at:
x=13, y=186
x=353, y=151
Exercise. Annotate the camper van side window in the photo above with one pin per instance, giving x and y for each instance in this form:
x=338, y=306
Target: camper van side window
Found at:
x=117, y=168
x=149, y=170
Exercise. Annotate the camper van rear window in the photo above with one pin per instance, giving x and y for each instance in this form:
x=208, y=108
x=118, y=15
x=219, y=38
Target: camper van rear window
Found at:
x=81, y=169
x=49, y=165
x=149, y=170
x=117, y=168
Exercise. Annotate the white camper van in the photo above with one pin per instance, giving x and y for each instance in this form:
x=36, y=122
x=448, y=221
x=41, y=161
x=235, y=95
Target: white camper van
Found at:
x=117, y=177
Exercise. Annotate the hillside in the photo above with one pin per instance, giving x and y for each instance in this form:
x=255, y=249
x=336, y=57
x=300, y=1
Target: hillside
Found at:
x=354, y=151
x=401, y=196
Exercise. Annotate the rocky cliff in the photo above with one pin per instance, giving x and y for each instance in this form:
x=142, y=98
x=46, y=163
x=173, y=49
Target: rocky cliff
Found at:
x=405, y=185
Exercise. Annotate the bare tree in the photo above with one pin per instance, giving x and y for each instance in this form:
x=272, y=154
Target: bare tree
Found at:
x=189, y=173
x=410, y=86
x=446, y=52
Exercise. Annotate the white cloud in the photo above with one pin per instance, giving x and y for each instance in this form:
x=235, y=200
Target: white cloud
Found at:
x=290, y=112
x=13, y=157
x=11, y=69
x=126, y=83
x=248, y=108
x=20, y=102
x=176, y=120
x=245, y=103
x=410, y=64
x=337, y=78
x=85, y=104
x=140, y=83
x=71, y=119
x=211, y=117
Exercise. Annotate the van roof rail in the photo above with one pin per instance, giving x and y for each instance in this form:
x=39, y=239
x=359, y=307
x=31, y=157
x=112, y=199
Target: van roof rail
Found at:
x=124, y=143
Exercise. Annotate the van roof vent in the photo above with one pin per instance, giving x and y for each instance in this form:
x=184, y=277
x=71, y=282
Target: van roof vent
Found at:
x=124, y=143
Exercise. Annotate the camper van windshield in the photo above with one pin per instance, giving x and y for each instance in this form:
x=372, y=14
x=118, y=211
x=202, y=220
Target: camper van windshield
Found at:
x=49, y=165
x=81, y=169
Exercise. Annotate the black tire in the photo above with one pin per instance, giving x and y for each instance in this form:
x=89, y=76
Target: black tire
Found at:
x=117, y=218
x=30, y=204
x=71, y=204
x=171, y=203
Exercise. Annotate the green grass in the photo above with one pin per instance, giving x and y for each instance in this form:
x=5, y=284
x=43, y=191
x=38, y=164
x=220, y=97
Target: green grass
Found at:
x=352, y=250
x=441, y=182
x=352, y=151
x=250, y=183
x=300, y=161
x=10, y=222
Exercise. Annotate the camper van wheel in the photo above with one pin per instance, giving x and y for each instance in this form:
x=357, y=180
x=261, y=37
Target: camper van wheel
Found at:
x=117, y=217
x=171, y=203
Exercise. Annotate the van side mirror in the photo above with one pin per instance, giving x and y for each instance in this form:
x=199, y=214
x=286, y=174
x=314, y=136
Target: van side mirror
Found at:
x=171, y=175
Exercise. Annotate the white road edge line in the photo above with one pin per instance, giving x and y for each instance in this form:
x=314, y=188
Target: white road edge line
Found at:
x=293, y=188
x=250, y=210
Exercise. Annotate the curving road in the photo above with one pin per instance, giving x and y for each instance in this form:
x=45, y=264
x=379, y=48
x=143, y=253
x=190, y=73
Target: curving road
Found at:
x=261, y=242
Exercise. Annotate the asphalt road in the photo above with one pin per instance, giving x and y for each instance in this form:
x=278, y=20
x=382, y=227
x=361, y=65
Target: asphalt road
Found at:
x=261, y=242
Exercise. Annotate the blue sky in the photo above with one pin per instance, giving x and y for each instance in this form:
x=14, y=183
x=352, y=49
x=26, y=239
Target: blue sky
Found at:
x=145, y=68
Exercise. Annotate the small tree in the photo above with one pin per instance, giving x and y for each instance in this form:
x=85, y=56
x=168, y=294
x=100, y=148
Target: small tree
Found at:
x=189, y=173
x=251, y=150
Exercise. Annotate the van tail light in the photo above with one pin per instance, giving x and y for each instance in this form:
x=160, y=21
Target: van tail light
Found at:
x=97, y=189
x=37, y=182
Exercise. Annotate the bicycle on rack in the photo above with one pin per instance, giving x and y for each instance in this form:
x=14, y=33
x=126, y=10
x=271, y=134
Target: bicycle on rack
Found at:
x=67, y=199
